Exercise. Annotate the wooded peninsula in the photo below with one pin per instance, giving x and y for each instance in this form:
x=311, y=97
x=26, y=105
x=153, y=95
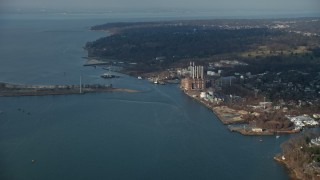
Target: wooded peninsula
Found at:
x=263, y=73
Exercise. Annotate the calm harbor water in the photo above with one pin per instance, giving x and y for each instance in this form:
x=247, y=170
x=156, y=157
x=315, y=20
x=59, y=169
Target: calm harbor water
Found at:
x=157, y=134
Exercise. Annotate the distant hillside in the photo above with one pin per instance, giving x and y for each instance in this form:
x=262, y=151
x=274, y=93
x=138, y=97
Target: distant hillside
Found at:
x=160, y=44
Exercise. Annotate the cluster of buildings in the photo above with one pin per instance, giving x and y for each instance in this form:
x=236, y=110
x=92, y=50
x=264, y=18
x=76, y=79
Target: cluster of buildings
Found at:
x=302, y=121
x=195, y=78
x=206, y=84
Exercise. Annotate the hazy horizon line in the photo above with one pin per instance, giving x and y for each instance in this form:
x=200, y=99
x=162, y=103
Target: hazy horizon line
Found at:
x=133, y=9
x=218, y=12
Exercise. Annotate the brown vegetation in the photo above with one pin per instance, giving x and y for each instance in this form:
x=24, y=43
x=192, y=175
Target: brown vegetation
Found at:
x=300, y=157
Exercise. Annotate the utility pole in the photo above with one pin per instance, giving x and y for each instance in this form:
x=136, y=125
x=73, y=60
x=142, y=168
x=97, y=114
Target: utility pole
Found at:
x=80, y=85
x=256, y=93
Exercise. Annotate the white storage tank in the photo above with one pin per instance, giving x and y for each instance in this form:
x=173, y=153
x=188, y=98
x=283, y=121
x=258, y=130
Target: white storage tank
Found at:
x=203, y=95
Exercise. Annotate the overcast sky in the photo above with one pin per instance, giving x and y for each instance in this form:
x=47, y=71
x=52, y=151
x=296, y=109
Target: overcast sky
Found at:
x=276, y=5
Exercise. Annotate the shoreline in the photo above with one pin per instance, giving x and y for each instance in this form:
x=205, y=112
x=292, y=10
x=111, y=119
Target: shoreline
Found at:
x=236, y=123
x=293, y=173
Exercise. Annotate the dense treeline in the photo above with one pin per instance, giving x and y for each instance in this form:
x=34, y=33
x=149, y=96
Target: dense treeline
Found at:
x=284, y=77
x=174, y=43
x=122, y=25
x=305, y=63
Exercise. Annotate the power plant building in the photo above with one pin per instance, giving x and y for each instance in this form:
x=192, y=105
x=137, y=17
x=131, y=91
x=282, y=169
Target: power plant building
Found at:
x=196, y=80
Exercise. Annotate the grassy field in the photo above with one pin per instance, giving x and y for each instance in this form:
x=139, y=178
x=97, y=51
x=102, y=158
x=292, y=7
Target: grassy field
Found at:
x=264, y=51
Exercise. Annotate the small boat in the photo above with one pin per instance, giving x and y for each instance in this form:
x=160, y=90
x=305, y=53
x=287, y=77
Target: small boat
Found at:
x=277, y=136
x=156, y=81
x=108, y=76
x=139, y=77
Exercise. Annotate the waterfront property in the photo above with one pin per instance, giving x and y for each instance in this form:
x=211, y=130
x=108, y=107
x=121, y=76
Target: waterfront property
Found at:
x=195, y=79
x=302, y=121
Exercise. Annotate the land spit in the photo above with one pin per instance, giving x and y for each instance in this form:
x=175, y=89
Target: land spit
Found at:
x=8, y=89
